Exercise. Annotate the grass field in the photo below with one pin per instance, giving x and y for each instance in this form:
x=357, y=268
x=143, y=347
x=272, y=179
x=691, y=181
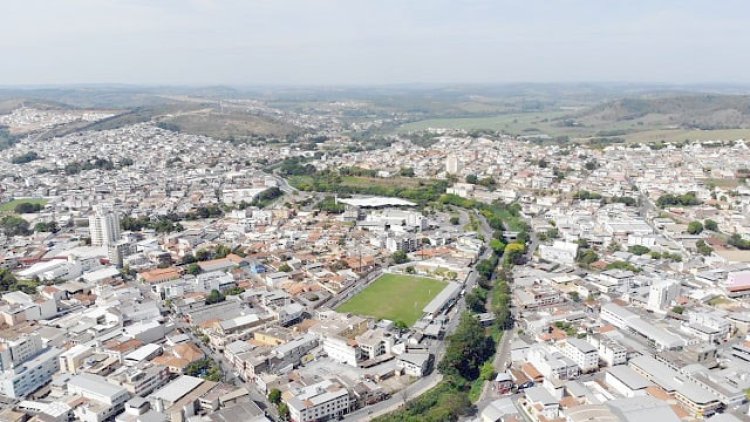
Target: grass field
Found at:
x=394, y=297
x=10, y=206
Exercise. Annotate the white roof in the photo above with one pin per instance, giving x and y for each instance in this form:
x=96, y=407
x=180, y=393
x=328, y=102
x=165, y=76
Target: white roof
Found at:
x=101, y=274
x=177, y=389
x=377, y=201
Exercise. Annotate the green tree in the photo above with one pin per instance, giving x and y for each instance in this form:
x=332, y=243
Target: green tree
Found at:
x=497, y=246
x=13, y=225
x=472, y=178
x=49, y=227
x=285, y=268
x=283, y=411
x=678, y=309
x=274, y=396
x=399, y=257
x=214, y=297
x=514, y=253
x=406, y=172
x=188, y=259
x=222, y=251
x=638, y=250
x=400, y=325
x=193, y=269
x=203, y=255
x=455, y=220
x=711, y=225
x=703, y=248
x=695, y=227
x=27, y=208
x=467, y=349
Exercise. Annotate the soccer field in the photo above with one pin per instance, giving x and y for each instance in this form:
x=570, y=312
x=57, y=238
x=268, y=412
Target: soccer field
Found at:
x=394, y=297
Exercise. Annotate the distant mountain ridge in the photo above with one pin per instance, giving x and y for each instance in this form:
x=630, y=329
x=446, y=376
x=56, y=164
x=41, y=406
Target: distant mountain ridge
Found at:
x=705, y=112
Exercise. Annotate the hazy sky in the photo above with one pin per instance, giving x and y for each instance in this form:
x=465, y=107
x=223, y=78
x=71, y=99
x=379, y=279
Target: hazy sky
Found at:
x=328, y=42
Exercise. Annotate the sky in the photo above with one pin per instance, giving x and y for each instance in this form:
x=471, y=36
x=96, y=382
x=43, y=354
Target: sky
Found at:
x=374, y=42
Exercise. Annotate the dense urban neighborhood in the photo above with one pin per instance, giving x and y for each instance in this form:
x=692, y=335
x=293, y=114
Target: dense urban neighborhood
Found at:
x=151, y=274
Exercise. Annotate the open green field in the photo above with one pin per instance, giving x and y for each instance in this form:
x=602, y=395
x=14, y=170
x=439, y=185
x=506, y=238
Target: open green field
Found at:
x=395, y=297
x=11, y=206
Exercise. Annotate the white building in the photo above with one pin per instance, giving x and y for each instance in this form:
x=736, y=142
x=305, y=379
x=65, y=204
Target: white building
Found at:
x=661, y=294
x=451, y=164
x=321, y=401
x=583, y=353
x=340, y=350
x=626, y=381
x=15, y=352
x=104, y=226
x=560, y=252
x=552, y=363
x=30, y=375
x=102, y=400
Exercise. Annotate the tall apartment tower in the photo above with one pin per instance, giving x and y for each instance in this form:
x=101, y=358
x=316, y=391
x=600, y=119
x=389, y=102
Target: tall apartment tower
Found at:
x=662, y=293
x=104, y=226
x=451, y=164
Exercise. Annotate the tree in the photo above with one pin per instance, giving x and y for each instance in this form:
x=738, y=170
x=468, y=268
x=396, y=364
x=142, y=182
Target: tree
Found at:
x=410, y=269
x=738, y=242
x=202, y=255
x=678, y=310
x=455, y=220
x=497, y=246
x=25, y=158
x=488, y=182
x=400, y=325
x=188, y=259
x=274, y=396
x=406, y=172
x=222, y=251
x=13, y=225
x=711, y=225
x=49, y=227
x=475, y=300
x=638, y=250
x=214, y=297
x=514, y=253
x=586, y=257
x=399, y=257
x=285, y=268
x=467, y=349
x=703, y=248
x=487, y=372
x=27, y=208
x=193, y=269
x=283, y=411
x=472, y=178
x=695, y=227
x=614, y=247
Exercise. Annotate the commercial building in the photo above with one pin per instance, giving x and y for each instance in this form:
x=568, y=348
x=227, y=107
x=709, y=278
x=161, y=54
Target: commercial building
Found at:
x=102, y=400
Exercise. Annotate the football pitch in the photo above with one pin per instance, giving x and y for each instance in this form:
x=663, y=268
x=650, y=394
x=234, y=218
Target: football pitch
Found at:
x=395, y=297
